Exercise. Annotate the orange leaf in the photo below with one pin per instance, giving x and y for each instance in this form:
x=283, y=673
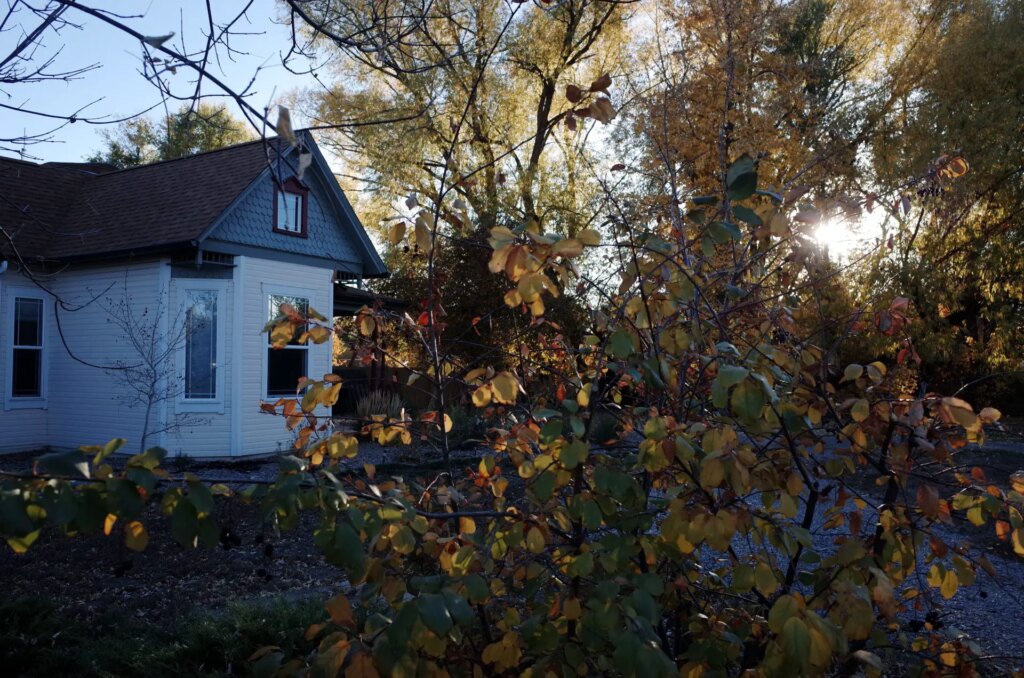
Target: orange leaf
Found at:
x=340, y=611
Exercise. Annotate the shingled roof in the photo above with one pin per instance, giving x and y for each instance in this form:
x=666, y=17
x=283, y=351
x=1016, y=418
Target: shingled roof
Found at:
x=62, y=211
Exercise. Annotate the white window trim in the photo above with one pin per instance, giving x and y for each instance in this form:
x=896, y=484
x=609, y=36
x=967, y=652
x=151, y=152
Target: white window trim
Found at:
x=292, y=222
x=266, y=292
x=214, y=405
x=25, y=402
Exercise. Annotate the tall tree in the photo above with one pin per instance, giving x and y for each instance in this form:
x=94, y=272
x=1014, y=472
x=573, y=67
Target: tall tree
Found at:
x=963, y=238
x=191, y=130
x=482, y=134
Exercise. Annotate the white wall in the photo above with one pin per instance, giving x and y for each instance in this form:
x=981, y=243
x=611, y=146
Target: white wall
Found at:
x=84, y=403
x=261, y=433
x=23, y=426
x=204, y=429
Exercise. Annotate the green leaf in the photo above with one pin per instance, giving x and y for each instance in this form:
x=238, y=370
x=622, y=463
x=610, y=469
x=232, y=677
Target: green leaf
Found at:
x=746, y=215
x=741, y=179
x=200, y=497
x=73, y=463
x=724, y=231
x=747, y=400
x=458, y=608
x=342, y=547
x=14, y=518
x=109, y=449
x=150, y=459
x=124, y=498
x=784, y=608
x=796, y=641
x=434, y=613
x=574, y=454
x=728, y=376
x=477, y=588
x=185, y=524
x=544, y=485
x=404, y=541
x=620, y=344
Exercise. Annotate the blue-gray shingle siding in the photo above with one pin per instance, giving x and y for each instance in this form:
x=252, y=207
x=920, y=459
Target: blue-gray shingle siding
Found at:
x=251, y=222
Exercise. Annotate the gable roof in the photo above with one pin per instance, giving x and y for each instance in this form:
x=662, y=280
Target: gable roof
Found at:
x=66, y=211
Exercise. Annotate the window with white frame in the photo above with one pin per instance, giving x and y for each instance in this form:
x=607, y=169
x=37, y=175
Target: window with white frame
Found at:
x=27, y=348
x=285, y=365
x=200, y=345
x=289, y=212
x=291, y=208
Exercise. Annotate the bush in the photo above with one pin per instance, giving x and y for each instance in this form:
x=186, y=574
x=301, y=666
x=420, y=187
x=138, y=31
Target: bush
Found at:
x=38, y=640
x=467, y=428
x=379, y=402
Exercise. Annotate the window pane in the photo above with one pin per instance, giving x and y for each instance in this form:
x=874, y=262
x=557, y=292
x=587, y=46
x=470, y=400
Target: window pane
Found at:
x=201, y=344
x=27, y=376
x=284, y=367
x=28, y=322
x=289, y=212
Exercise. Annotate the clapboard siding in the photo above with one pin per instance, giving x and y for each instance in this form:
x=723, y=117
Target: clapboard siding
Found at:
x=87, y=405
x=263, y=433
x=206, y=430
x=23, y=428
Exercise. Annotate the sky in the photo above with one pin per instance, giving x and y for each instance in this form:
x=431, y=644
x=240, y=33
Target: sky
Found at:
x=118, y=84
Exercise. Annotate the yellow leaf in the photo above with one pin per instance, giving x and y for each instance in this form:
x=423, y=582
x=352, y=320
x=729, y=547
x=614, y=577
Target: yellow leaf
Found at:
x=424, y=240
x=572, y=609
x=504, y=388
x=569, y=247
x=135, y=536
x=448, y=424
x=852, y=373
x=397, y=233
x=499, y=258
x=1017, y=539
x=319, y=334
x=711, y=473
x=990, y=415
x=108, y=523
x=589, y=236
x=534, y=539
x=861, y=410
x=482, y=396
x=764, y=579
x=949, y=585
x=467, y=526
x=367, y=324
x=583, y=397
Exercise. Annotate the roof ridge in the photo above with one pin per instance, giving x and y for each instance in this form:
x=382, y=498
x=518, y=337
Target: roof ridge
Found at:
x=160, y=163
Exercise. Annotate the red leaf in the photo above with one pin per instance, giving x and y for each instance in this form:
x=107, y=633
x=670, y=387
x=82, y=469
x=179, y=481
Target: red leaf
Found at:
x=601, y=84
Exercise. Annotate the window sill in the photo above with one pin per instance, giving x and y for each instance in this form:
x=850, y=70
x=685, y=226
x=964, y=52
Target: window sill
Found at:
x=293, y=234
x=25, y=403
x=209, y=406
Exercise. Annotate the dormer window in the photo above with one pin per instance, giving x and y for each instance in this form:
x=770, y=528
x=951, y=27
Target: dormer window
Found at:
x=290, y=208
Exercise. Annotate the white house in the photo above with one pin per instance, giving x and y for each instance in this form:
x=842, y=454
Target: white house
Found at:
x=198, y=253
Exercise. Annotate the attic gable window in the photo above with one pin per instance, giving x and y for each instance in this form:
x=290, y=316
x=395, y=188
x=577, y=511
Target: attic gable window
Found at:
x=291, y=208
